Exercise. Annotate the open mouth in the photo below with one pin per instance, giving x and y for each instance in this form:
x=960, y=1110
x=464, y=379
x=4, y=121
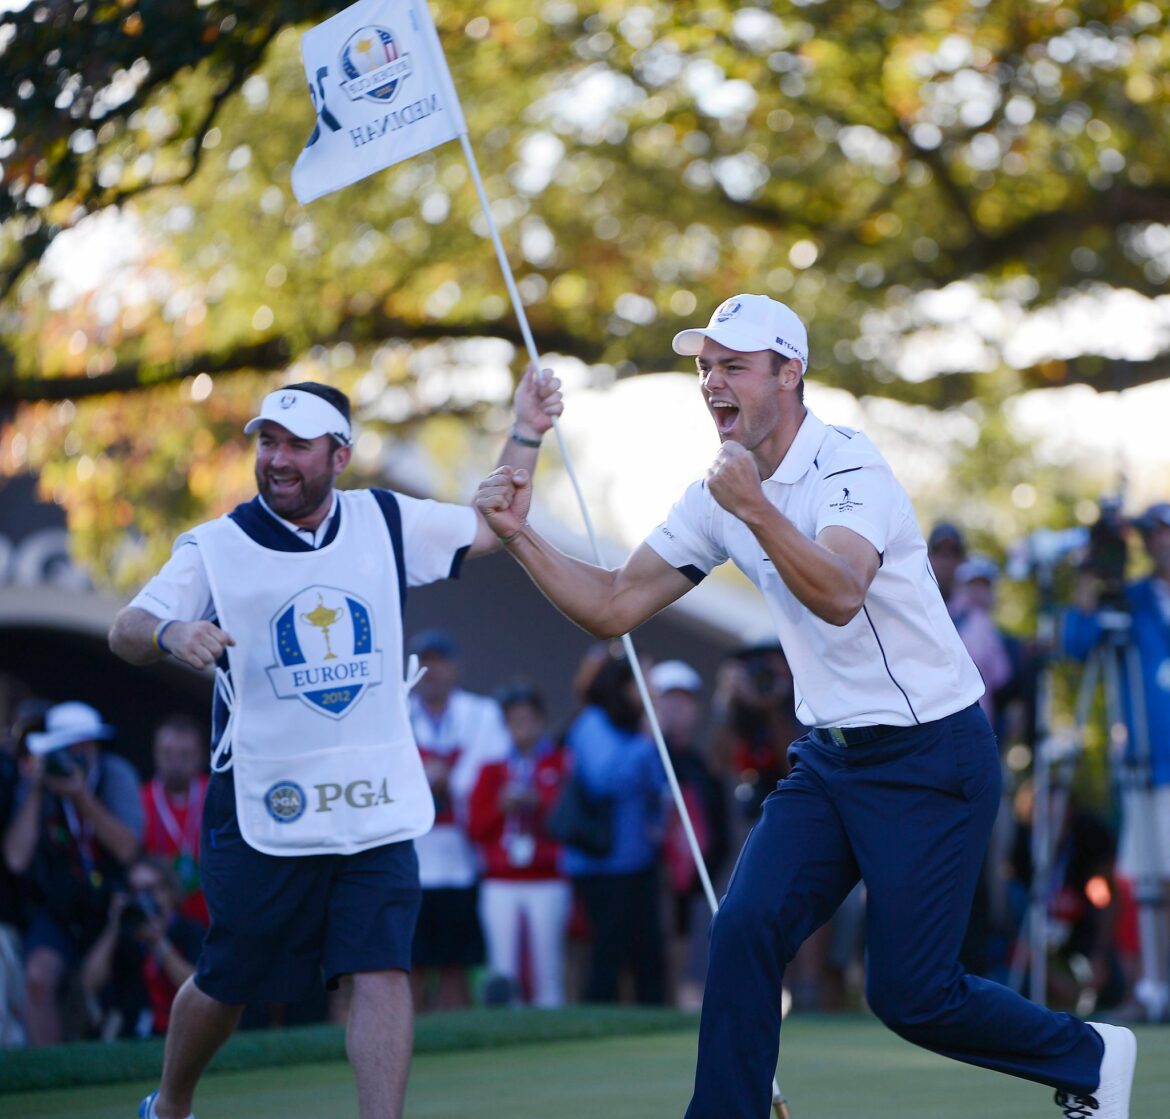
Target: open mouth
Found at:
x=282, y=486
x=725, y=415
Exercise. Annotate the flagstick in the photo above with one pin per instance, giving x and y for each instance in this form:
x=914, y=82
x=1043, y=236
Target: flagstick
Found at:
x=779, y=1104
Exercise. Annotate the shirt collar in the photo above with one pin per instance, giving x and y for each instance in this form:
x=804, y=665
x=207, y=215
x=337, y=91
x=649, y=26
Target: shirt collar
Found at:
x=803, y=452
x=311, y=536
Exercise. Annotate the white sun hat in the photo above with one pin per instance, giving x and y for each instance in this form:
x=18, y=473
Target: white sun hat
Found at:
x=305, y=414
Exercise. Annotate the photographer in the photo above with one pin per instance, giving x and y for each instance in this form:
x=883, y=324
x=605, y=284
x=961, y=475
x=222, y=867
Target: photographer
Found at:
x=143, y=955
x=77, y=823
x=1140, y=613
x=755, y=709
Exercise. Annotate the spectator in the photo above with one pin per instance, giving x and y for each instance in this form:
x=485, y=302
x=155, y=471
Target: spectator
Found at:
x=77, y=825
x=1143, y=626
x=143, y=956
x=172, y=803
x=29, y=716
x=1085, y=970
x=972, y=607
x=456, y=732
x=524, y=897
x=612, y=758
x=946, y=549
x=678, y=698
x=755, y=707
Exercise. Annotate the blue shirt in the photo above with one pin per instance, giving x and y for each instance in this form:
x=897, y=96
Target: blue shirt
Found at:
x=1150, y=636
x=624, y=766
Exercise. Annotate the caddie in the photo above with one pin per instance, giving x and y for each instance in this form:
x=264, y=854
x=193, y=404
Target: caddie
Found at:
x=317, y=787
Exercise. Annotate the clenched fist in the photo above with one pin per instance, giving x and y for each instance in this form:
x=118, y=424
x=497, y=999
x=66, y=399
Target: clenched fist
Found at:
x=733, y=479
x=198, y=644
x=503, y=498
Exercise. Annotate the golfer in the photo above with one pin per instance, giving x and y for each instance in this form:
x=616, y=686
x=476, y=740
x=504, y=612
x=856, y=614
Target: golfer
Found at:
x=898, y=784
x=318, y=788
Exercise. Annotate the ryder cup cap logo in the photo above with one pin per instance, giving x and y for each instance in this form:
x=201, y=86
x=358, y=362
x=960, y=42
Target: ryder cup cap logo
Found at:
x=372, y=65
x=323, y=638
x=728, y=310
x=285, y=802
x=288, y=400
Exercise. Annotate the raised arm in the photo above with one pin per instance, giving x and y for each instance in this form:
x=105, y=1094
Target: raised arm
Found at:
x=603, y=602
x=537, y=401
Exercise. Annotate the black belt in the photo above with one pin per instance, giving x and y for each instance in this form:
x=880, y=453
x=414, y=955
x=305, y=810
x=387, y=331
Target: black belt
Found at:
x=856, y=736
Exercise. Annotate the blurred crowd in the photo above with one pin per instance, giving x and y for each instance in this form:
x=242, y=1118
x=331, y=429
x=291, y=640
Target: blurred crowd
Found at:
x=559, y=868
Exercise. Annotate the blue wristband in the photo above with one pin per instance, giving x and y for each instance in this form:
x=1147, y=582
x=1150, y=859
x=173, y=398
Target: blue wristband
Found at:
x=160, y=629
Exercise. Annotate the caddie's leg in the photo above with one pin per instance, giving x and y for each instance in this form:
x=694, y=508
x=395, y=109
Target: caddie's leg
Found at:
x=919, y=810
x=199, y=1026
x=793, y=872
x=378, y=1040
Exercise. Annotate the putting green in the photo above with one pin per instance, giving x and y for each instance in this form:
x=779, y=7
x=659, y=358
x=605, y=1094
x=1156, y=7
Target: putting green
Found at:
x=830, y=1068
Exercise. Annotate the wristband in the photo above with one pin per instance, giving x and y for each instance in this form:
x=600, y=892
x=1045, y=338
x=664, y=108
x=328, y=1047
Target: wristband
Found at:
x=523, y=440
x=506, y=540
x=159, y=630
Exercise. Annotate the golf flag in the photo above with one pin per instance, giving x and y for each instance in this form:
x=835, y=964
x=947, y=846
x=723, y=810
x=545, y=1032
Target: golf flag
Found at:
x=382, y=91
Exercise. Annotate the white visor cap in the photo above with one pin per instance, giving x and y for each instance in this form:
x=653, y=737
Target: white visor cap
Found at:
x=305, y=414
x=747, y=323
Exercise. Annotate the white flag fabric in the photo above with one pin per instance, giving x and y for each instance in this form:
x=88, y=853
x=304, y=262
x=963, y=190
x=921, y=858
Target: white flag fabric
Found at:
x=382, y=91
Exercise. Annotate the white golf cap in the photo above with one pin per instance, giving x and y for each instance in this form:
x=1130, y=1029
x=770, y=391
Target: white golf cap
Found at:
x=66, y=725
x=304, y=413
x=748, y=323
x=675, y=676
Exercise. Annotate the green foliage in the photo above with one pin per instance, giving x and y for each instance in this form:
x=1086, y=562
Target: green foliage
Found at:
x=644, y=160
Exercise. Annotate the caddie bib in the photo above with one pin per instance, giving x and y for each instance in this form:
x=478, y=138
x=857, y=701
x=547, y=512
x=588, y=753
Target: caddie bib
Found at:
x=322, y=750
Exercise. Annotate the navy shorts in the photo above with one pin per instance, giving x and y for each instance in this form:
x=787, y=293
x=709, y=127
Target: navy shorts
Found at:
x=281, y=924
x=448, y=933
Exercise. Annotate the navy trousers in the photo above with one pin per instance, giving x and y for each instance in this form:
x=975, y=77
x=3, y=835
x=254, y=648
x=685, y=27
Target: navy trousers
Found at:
x=910, y=813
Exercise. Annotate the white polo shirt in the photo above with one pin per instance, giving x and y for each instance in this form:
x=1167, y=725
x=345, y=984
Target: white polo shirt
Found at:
x=432, y=533
x=899, y=661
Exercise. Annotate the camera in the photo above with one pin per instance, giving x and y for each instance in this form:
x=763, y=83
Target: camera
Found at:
x=1101, y=550
x=60, y=763
x=1108, y=552
x=760, y=667
x=138, y=911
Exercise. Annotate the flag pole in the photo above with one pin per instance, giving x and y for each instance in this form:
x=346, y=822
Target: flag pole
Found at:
x=779, y=1104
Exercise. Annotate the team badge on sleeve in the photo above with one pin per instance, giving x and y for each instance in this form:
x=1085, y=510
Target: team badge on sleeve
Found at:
x=323, y=639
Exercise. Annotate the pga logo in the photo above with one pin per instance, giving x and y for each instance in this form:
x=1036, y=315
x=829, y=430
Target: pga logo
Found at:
x=357, y=794
x=286, y=801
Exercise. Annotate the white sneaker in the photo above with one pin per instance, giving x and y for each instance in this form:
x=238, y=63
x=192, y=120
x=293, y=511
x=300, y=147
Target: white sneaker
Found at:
x=1110, y=1099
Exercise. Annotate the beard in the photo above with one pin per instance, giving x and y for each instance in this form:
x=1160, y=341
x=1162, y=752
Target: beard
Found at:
x=296, y=502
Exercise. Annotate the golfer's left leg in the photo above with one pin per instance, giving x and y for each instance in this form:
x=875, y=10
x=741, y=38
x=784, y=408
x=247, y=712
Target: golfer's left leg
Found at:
x=793, y=872
x=919, y=824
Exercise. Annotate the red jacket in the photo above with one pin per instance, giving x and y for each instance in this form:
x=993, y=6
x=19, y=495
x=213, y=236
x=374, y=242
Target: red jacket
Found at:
x=516, y=846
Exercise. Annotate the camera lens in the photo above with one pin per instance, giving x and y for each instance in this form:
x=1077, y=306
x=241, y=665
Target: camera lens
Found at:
x=59, y=763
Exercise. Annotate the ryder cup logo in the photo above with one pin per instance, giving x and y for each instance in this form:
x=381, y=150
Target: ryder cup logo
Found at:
x=372, y=65
x=323, y=639
x=727, y=311
x=285, y=802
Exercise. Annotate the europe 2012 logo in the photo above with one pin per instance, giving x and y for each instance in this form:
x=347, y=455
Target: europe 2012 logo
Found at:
x=323, y=638
x=373, y=66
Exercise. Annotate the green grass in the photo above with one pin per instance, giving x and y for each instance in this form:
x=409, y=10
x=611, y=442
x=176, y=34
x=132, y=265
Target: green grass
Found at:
x=831, y=1068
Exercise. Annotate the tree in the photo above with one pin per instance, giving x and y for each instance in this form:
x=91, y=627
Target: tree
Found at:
x=848, y=156
x=644, y=160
